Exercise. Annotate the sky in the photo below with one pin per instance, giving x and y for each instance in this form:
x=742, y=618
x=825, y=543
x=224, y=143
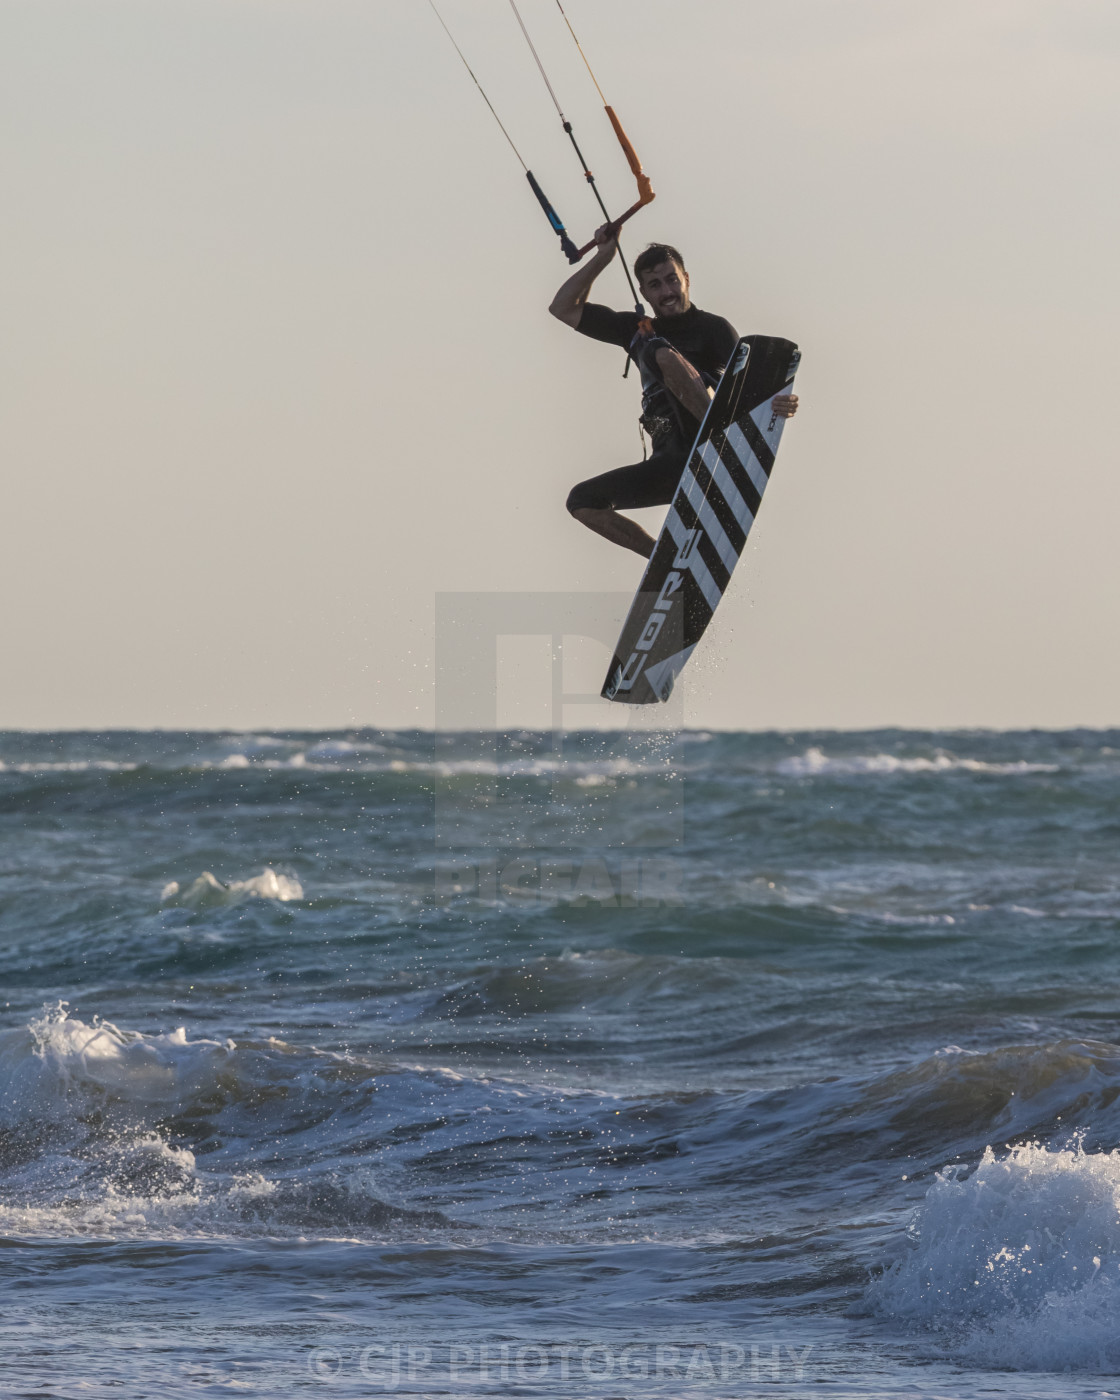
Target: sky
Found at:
x=278, y=374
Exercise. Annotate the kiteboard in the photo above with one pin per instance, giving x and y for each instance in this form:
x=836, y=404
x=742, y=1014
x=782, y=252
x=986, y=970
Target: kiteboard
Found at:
x=708, y=522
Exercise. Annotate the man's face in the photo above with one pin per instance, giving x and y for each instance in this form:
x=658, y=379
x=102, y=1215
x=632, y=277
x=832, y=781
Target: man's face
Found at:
x=665, y=287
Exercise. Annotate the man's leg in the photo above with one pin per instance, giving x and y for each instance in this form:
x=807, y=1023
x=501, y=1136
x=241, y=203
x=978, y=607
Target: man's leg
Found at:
x=619, y=529
x=596, y=503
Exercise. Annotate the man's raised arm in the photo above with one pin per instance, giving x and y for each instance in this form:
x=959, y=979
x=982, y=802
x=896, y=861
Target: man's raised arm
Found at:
x=568, y=303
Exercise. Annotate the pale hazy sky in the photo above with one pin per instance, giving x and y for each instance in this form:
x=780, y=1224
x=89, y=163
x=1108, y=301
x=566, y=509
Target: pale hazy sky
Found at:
x=277, y=366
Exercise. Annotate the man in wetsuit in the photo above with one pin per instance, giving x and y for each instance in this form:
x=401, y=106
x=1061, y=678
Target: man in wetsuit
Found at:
x=680, y=363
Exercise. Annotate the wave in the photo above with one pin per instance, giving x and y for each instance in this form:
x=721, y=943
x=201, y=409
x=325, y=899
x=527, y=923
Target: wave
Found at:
x=606, y=981
x=93, y=1119
x=958, y=1101
x=952, y=1104
x=109, y=1131
x=160, y=1132
x=815, y=763
x=56, y=1057
x=208, y=892
x=1015, y=1263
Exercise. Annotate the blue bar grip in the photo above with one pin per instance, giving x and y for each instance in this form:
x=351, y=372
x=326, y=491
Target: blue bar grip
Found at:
x=571, y=252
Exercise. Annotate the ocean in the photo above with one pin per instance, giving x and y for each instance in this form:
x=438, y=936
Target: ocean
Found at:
x=581, y=1065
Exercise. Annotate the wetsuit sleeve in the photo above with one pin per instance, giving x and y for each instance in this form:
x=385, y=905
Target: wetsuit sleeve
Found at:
x=613, y=327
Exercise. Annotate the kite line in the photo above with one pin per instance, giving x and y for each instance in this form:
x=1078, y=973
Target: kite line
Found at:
x=645, y=189
x=571, y=252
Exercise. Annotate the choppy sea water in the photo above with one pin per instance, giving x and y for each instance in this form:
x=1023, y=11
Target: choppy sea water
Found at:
x=698, y=1065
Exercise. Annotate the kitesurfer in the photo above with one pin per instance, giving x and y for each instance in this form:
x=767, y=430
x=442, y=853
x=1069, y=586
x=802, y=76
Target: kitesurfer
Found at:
x=681, y=354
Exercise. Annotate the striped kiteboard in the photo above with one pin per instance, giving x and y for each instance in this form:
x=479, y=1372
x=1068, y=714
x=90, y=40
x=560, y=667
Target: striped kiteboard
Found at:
x=708, y=522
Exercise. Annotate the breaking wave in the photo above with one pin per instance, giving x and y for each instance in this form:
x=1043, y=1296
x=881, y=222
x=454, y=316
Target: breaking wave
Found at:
x=94, y=1131
x=1015, y=1263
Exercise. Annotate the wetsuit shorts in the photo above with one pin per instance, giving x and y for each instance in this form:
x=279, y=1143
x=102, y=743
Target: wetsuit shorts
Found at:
x=650, y=483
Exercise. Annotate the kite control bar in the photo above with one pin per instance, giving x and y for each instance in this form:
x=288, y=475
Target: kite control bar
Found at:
x=645, y=189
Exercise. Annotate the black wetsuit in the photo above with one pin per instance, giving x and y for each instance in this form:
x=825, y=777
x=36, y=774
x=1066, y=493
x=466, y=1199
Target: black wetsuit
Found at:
x=706, y=342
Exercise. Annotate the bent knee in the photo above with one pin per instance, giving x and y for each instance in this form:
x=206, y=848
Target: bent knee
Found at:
x=582, y=497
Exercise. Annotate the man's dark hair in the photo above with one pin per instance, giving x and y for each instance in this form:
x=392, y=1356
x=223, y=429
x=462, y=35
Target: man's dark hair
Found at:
x=654, y=256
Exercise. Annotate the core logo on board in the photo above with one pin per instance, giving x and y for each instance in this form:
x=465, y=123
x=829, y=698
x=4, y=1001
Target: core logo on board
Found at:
x=626, y=675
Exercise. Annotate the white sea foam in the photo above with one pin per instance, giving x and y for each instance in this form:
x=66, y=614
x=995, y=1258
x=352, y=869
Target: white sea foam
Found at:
x=260, y=741
x=77, y=765
x=340, y=749
x=57, y=1056
x=887, y=916
x=336, y=758
x=93, y=1084
x=1016, y=1264
x=815, y=763
x=262, y=754
x=207, y=891
x=604, y=769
